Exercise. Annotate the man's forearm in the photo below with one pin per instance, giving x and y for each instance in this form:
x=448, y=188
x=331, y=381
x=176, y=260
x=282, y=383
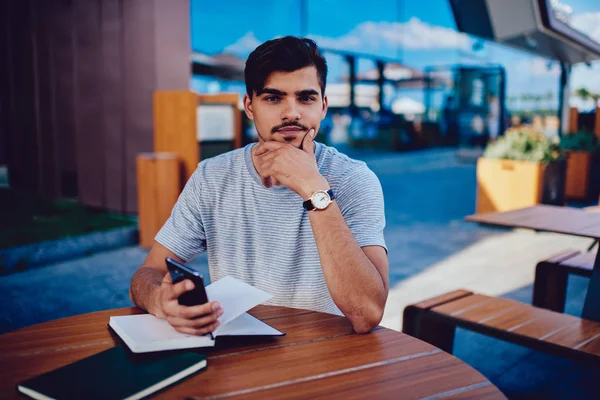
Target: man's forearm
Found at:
x=144, y=286
x=355, y=284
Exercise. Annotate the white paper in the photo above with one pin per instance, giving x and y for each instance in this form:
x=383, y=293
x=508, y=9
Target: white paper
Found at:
x=235, y=297
x=246, y=324
x=144, y=333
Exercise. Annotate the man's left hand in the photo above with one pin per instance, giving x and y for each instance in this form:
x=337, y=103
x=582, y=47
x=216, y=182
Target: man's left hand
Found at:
x=283, y=164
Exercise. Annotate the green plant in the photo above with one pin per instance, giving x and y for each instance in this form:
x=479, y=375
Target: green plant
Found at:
x=580, y=141
x=525, y=144
x=583, y=94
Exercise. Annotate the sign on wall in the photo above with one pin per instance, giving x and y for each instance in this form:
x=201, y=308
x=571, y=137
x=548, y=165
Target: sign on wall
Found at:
x=215, y=122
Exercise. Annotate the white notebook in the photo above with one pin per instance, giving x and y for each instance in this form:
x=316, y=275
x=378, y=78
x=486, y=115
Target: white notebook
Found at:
x=144, y=333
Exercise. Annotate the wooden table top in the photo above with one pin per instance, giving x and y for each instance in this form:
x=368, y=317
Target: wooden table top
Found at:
x=320, y=356
x=567, y=220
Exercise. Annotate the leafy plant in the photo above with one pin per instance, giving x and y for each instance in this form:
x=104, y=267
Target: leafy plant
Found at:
x=580, y=141
x=525, y=144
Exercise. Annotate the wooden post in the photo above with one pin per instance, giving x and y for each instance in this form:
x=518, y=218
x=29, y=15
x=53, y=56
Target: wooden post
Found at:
x=176, y=124
x=175, y=127
x=159, y=184
x=578, y=175
x=573, y=119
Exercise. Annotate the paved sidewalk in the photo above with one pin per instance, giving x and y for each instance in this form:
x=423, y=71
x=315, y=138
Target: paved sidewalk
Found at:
x=431, y=251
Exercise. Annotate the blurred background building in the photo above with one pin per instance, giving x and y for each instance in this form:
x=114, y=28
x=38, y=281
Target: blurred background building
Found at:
x=77, y=77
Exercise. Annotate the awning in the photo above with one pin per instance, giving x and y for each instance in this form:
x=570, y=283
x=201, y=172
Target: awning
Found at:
x=548, y=28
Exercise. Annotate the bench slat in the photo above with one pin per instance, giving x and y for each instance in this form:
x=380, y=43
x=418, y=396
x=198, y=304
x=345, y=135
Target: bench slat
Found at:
x=583, y=260
x=442, y=299
x=461, y=305
x=487, y=309
x=564, y=256
x=592, y=347
x=575, y=334
x=516, y=316
x=511, y=320
x=542, y=326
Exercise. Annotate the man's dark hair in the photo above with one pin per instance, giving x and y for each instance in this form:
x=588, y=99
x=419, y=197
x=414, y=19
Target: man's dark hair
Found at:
x=285, y=54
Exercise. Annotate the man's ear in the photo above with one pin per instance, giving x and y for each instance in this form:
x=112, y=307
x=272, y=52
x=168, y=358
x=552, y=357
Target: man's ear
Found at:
x=248, y=107
x=325, y=105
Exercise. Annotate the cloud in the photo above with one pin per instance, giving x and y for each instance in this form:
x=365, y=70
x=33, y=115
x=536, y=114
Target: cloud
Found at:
x=244, y=45
x=542, y=67
x=413, y=34
x=588, y=23
x=420, y=35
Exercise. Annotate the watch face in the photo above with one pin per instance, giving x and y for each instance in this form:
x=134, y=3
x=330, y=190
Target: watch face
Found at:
x=321, y=200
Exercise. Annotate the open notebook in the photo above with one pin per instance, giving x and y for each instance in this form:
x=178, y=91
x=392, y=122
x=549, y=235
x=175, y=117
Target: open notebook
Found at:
x=144, y=333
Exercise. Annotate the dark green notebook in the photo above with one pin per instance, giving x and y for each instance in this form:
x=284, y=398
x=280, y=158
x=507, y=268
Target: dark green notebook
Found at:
x=116, y=373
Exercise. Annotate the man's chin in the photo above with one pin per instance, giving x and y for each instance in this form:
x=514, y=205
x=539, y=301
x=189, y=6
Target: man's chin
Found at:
x=295, y=141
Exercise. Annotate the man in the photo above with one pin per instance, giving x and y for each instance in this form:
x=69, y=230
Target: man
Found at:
x=287, y=215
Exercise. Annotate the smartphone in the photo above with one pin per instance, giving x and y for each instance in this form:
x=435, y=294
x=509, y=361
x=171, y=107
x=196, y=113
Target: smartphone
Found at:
x=180, y=272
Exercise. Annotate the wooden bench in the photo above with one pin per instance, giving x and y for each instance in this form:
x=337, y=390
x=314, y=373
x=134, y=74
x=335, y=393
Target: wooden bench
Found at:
x=435, y=320
x=551, y=275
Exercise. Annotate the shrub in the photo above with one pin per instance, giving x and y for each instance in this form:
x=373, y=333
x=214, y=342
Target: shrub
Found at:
x=525, y=144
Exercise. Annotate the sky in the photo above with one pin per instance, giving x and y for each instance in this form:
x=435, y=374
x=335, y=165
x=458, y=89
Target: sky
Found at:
x=417, y=33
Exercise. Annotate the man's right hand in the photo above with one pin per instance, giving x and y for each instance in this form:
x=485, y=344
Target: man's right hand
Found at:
x=194, y=320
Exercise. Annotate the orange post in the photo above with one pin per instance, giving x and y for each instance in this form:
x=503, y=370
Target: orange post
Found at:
x=175, y=127
x=578, y=174
x=597, y=123
x=176, y=123
x=159, y=185
x=573, y=119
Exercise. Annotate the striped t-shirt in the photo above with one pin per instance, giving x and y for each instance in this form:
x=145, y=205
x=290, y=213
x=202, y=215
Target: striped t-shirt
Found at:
x=263, y=236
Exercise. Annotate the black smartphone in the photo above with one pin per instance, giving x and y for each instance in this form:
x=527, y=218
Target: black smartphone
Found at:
x=179, y=272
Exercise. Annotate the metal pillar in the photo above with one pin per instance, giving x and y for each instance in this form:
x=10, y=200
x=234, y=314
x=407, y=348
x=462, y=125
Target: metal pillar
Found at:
x=352, y=82
x=380, y=82
x=563, y=98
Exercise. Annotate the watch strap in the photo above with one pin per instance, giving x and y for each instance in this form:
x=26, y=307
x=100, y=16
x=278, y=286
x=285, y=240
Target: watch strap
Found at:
x=308, y=205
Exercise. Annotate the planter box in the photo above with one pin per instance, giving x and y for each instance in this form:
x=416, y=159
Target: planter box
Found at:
x=583, y=175
x=504, y=185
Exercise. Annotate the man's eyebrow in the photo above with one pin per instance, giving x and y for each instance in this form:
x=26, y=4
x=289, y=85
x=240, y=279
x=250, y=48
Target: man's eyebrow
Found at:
x=307, y=92
x=272, y=91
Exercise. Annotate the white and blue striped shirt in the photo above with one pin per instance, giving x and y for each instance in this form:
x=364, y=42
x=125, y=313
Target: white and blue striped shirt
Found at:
x=263, y=236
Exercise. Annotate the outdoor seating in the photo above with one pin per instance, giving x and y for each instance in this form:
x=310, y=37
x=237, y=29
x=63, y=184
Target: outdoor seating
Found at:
x=435, y=321
x=543, y=329
x=551, y=276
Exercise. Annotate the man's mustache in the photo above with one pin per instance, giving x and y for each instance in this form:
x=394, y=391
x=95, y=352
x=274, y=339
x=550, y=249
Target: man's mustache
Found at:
x=296, y=124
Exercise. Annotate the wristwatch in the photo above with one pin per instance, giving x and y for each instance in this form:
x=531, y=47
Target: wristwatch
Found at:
x=320, y=200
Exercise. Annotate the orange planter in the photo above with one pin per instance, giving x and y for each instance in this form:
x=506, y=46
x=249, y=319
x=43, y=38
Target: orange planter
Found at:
x=158, y=179
x=504, y=185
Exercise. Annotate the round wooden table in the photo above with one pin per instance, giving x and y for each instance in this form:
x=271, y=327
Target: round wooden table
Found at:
x=320, y=356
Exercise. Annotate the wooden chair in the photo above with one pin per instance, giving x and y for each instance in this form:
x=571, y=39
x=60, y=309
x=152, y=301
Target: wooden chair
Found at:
x=435, y=320
x=551, y=275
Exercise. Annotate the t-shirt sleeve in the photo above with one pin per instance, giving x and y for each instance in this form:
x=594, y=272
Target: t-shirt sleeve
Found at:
x=183, y=233
x=360, y=199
